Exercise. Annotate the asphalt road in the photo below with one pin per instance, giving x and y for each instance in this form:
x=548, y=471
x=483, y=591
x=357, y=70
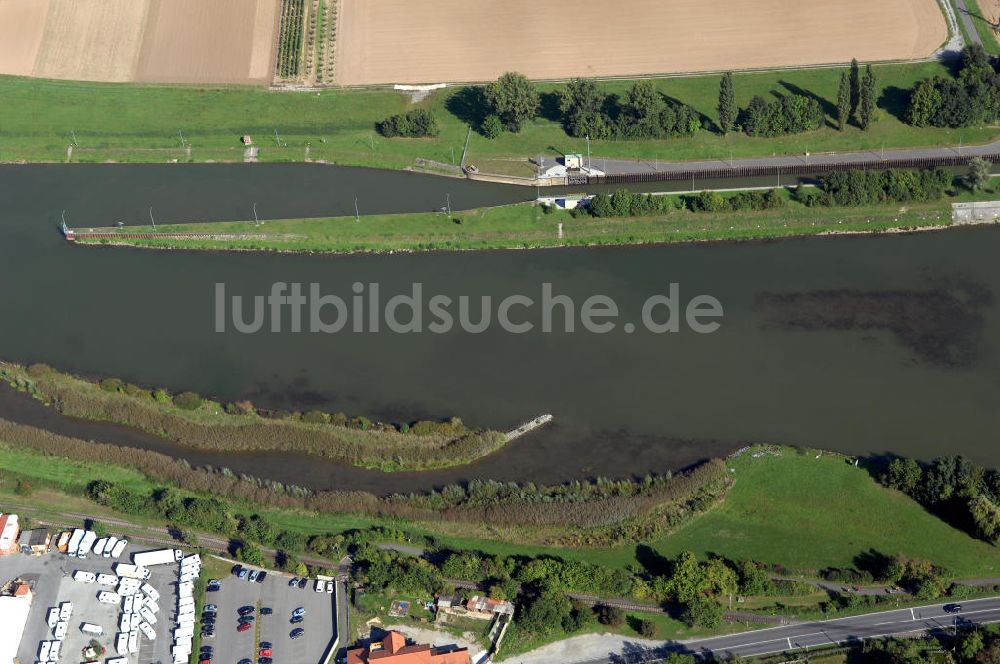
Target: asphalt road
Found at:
x=966, y=19
x=821, y=633
x=863, y=158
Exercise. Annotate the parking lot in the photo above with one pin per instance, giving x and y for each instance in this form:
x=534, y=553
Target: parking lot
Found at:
x=319, y=621
x=51, y=578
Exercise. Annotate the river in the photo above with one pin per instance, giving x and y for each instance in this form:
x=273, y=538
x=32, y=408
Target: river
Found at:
x=856, y=344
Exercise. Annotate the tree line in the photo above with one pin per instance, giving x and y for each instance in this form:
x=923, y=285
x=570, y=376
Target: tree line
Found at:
x=971, y=98
x=963, y=493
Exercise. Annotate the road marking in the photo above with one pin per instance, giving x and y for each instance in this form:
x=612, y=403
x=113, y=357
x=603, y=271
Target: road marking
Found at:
x=912, y=616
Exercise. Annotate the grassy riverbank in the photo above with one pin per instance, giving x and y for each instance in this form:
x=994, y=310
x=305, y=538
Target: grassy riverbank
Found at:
x=207, y=425
x=40, y=120
x=528, y=226
x=788, y=508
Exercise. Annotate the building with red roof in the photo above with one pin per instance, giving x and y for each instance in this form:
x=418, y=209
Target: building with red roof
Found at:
x=393, y=649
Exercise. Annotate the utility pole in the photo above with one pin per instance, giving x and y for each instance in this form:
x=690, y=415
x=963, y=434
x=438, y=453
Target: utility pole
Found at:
x=453, y=155
x=357, y=214
x=448, y=199
x=256, y=221
x=183, y=142
x=72, y=133
x=151, y=220
x=589, y=164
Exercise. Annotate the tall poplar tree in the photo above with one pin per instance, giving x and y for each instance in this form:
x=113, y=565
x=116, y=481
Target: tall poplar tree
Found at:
x=844, y=101
x=727, y=103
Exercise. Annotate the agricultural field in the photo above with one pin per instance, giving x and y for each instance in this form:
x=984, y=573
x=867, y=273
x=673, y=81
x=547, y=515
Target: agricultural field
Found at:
x=158, y=41
x=398, y=41
x=306, y=37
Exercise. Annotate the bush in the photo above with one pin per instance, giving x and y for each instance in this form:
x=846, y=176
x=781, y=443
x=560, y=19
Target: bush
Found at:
x=316, y=417
x=418, y=123
x=611, y=616
x=702, y=613
x=646, y=628
x=249, y=553
x=38, y=370
x=112, y=385
x=187, y=401
x=24, y=488
x=492, y=126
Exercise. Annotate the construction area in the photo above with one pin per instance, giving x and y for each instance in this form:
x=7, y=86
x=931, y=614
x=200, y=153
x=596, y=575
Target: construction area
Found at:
x=399, y=41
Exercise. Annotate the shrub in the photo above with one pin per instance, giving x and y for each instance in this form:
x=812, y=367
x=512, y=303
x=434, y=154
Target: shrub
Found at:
x=610, y=615
x=137, y=392
x=112, y=385
x=702, y=613
x=249, y=553
x=492, y=126
x=38, y=370
x=646, y=628
x=187, y=401
x=23, y=488
x=418, y=123
x=316, y=417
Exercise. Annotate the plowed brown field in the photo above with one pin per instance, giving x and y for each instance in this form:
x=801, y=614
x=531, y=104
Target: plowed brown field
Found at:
x=409, y=41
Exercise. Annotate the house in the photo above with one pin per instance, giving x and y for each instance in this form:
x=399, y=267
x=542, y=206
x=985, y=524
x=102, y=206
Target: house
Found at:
x=9, y=531
x=488, y=606
x=35, y=542
x=394, y=650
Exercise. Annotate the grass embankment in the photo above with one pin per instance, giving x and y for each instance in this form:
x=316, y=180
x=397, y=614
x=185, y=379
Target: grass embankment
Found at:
x=789, y=508
x=40, y=119
x=209, y=426
x=527, y=226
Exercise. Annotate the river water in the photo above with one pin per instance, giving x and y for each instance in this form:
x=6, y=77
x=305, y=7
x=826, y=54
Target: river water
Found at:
x=871, y=344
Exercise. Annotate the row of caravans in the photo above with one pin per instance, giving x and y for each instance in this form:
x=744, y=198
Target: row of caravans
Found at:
x=79, y=543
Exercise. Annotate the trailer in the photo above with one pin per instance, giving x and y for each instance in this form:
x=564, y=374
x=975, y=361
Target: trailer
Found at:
x=65, y=610
x=133, y=641
x=43, y=651
x=151, y=604
x=52, y=618
x=116, y=660
x=150, y=592
x=89, y=537
x=62, y=628
x=107, y=579
x=147, y=615
x=92, y=629
x=74, y=542
x=84, y=577
x=109, y=598
x=119, y=549
x=148, y=630
x=131, y=571
x=54, y=651
x=99, y=546
x=121, y=643
x=112, y=542
x=157, y=557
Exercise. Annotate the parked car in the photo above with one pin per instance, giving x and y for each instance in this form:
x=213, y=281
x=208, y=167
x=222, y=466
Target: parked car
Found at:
x=210, y=615
x=214, y=585
x=265, y=644
x=261, y=575
x=264, y=652
x=296, y=620
x=242, y=573
x=264, y=660
x=207, y=651
x=300, y=611
x=243, y=627
x=247, y=619
x=296, y=633
x=302, y=583
x=294, y=581
x=211, y=607
x=253, y=576
x=245, y=661
x=237, y=569
x=329, y=586
x=245, y=610
x=266, y=611
x=207, y=633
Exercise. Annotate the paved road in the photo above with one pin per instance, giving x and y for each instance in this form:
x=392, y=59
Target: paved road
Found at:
x=865, y=157
x=966, y=19
x=821, y=633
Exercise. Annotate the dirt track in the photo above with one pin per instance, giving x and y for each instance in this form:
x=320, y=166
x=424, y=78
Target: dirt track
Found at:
x=401, y=41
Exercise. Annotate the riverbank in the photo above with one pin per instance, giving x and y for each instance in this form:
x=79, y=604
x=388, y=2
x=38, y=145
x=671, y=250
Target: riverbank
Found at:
x=203, y=424
x=64, y=121
x=528, y=226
